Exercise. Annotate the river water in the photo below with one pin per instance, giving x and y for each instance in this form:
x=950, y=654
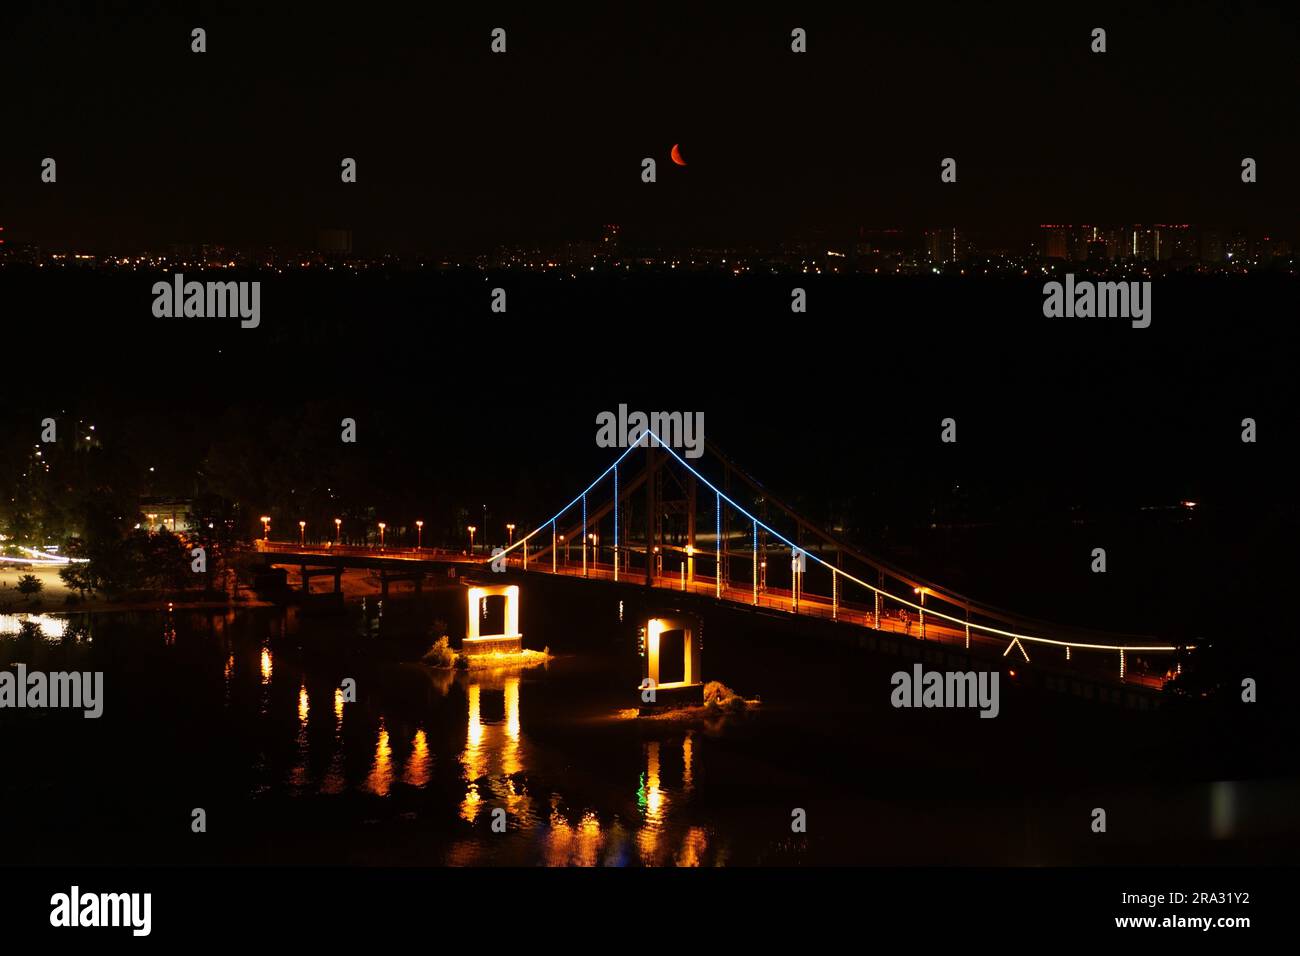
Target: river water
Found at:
x=244, y=715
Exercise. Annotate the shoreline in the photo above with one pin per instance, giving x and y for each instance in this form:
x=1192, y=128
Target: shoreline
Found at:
x=102, y=605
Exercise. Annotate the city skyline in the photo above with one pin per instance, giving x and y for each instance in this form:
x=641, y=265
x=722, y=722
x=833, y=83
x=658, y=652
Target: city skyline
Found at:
x=1073, y=242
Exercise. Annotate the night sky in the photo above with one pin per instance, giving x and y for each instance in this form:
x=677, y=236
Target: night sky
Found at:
x=461, y=149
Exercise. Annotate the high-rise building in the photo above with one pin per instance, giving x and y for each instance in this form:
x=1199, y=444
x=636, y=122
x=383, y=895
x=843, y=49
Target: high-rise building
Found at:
x=943, y=245
x=1211, y=245
x=1178, y=242
x=1144, y=243
x=1054, y=241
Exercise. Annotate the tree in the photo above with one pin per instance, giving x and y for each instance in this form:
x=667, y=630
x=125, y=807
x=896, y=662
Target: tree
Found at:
x=80, y=577
x=164, y=560
x=29, y=585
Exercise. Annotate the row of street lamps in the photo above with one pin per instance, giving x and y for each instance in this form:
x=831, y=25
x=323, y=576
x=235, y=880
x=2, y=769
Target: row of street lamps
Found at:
x=419, y=532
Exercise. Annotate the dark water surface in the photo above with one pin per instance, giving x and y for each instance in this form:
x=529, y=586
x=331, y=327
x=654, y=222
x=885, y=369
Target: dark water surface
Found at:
x=241, y=713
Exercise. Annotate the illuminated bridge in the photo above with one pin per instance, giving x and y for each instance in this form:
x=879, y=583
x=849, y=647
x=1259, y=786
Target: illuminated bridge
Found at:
x=643, y=527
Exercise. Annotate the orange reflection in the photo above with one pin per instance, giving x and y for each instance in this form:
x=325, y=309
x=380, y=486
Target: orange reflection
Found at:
x=419, y=764
x=299, y=775
x=334, y=781
x=266, y=665
x=694, y=844
x=567, y=845
x=493, y=754
x=381, y=772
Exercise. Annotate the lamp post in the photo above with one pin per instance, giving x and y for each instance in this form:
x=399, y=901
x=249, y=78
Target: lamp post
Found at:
x=511, y=530
x=338, y=525
x=595, y=554
x=419, y=535
x=566, y=550
x=921, y=591
x=472, y=529
x=266, y=528
x=302, y=534
x=382, y=526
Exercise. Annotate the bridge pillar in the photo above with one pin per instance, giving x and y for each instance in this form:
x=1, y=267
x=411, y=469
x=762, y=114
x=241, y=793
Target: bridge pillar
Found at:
x=510, y=640
x=338, y=581
x=306, y=581
x=690, y=689
x=383, y=584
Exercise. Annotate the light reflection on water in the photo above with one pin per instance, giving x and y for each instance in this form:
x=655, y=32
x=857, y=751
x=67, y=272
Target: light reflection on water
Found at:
x=299, y=776
x=334, y=781
x=48, y=626
x=441, y=759
x=389, y=755
x=419, y=765
x=492, y=756
x=381, y=772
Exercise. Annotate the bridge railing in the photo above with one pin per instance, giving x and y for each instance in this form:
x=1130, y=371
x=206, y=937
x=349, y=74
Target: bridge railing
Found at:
x=360, y=551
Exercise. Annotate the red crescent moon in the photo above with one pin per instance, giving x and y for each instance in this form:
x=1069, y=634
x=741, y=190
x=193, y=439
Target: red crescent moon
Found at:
x=677, y=155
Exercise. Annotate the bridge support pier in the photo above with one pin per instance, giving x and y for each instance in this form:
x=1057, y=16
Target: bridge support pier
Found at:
x=689, y=691
x=510, y=641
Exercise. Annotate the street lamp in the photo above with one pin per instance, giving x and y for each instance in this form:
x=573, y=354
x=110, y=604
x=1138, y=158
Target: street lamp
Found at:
x=472, y=529
x=266, y=528
x=338, y=524
x=510, y=528
x=595, y=554
x=382, y=526
x=419, y=535
x=922, y=591
x=302, y=534
x=566, y=549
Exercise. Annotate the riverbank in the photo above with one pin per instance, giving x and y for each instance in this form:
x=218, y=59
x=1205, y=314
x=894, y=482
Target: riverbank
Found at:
x=357, y=584
x=55, y=596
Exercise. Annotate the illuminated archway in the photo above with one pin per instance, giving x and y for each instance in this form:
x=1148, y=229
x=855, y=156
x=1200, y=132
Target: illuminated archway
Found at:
x=690, y=689
x=510, y=640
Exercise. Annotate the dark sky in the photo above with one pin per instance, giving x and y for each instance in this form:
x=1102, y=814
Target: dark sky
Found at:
x=460, y=148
